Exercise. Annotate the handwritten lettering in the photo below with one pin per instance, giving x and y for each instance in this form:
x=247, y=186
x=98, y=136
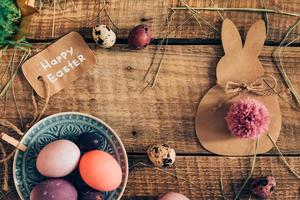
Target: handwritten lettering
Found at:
x=53, y=77
x=57, y=60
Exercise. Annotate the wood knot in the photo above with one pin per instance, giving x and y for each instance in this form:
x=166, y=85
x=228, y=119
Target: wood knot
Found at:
x=134, y=133
x=145, y=19
x=129, y=68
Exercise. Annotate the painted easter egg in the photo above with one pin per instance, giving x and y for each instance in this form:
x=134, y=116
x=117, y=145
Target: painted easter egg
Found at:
x=89, y=141
x=263, y=187
x=161, y=155
x=100, y=170
x=140, y=36
x=54, y=189
x=104, y=36
x=58, y=158
x=173, y=196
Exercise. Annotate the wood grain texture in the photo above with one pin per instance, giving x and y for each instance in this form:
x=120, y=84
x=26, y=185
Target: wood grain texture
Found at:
x=164, y=114
x=128, y=13
x=202, y=176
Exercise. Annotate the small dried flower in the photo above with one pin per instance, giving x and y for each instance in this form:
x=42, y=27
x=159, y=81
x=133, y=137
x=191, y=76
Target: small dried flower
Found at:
x=248, y=118
x=263, y=187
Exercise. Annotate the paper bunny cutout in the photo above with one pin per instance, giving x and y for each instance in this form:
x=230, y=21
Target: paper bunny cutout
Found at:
x=240, y=64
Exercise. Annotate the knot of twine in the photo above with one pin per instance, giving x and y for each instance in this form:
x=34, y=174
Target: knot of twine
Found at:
x=263, y=86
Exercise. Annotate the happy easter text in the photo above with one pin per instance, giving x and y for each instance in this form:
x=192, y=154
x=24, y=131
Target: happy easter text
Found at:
x=62, y=57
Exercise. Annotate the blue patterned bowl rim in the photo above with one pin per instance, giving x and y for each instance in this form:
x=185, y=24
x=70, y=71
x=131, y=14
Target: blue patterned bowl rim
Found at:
x=73, y=113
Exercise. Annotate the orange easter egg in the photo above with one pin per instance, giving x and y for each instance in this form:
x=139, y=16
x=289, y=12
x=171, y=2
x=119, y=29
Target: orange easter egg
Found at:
x=100, y=170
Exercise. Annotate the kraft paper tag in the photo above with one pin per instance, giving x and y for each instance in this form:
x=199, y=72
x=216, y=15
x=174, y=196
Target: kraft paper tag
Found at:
x=59, y=64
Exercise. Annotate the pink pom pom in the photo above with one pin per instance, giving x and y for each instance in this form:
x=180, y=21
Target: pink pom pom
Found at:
x=248, y=118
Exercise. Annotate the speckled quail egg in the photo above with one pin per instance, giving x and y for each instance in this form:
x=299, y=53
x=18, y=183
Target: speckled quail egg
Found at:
x=161, y=155
x=104, y=36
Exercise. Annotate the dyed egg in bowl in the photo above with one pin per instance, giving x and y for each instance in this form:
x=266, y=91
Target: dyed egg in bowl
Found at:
x=66, y=126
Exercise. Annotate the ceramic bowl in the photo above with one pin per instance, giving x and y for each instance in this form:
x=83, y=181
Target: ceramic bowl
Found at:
x=68, y=125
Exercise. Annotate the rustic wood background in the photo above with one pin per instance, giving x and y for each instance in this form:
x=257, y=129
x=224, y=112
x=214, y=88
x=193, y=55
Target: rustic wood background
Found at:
x=111, y=90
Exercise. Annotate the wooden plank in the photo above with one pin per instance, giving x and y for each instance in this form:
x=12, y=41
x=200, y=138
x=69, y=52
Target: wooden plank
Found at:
x=128, y=13
x=202, y=176
x=111, y=91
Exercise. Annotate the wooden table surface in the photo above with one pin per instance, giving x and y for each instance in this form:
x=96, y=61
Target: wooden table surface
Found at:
x=166, y=113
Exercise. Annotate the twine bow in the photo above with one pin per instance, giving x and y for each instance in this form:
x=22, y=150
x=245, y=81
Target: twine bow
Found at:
x=263, y=86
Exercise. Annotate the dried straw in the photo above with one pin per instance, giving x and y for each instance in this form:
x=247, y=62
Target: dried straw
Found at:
x=5, y=186
x=166, y=34
x=53, y=19
x=165, y=39
x=108, y=16
x=222, y=189
x=13, y=75
x=250, y=174
x=12, y=69
x=169, y=21
x=6, y=123
x=196, y=14
x=283, y=158
x=165, y=172
x=239, y=10
x=219, y=13
x=265, y=16
x=277, y=56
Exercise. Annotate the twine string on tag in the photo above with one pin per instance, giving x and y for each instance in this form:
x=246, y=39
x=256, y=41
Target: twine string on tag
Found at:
x=38, y=115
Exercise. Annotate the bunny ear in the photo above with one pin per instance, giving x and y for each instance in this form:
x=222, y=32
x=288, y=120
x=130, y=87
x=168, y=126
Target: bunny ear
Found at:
x=231, y=39
x=255, y=38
